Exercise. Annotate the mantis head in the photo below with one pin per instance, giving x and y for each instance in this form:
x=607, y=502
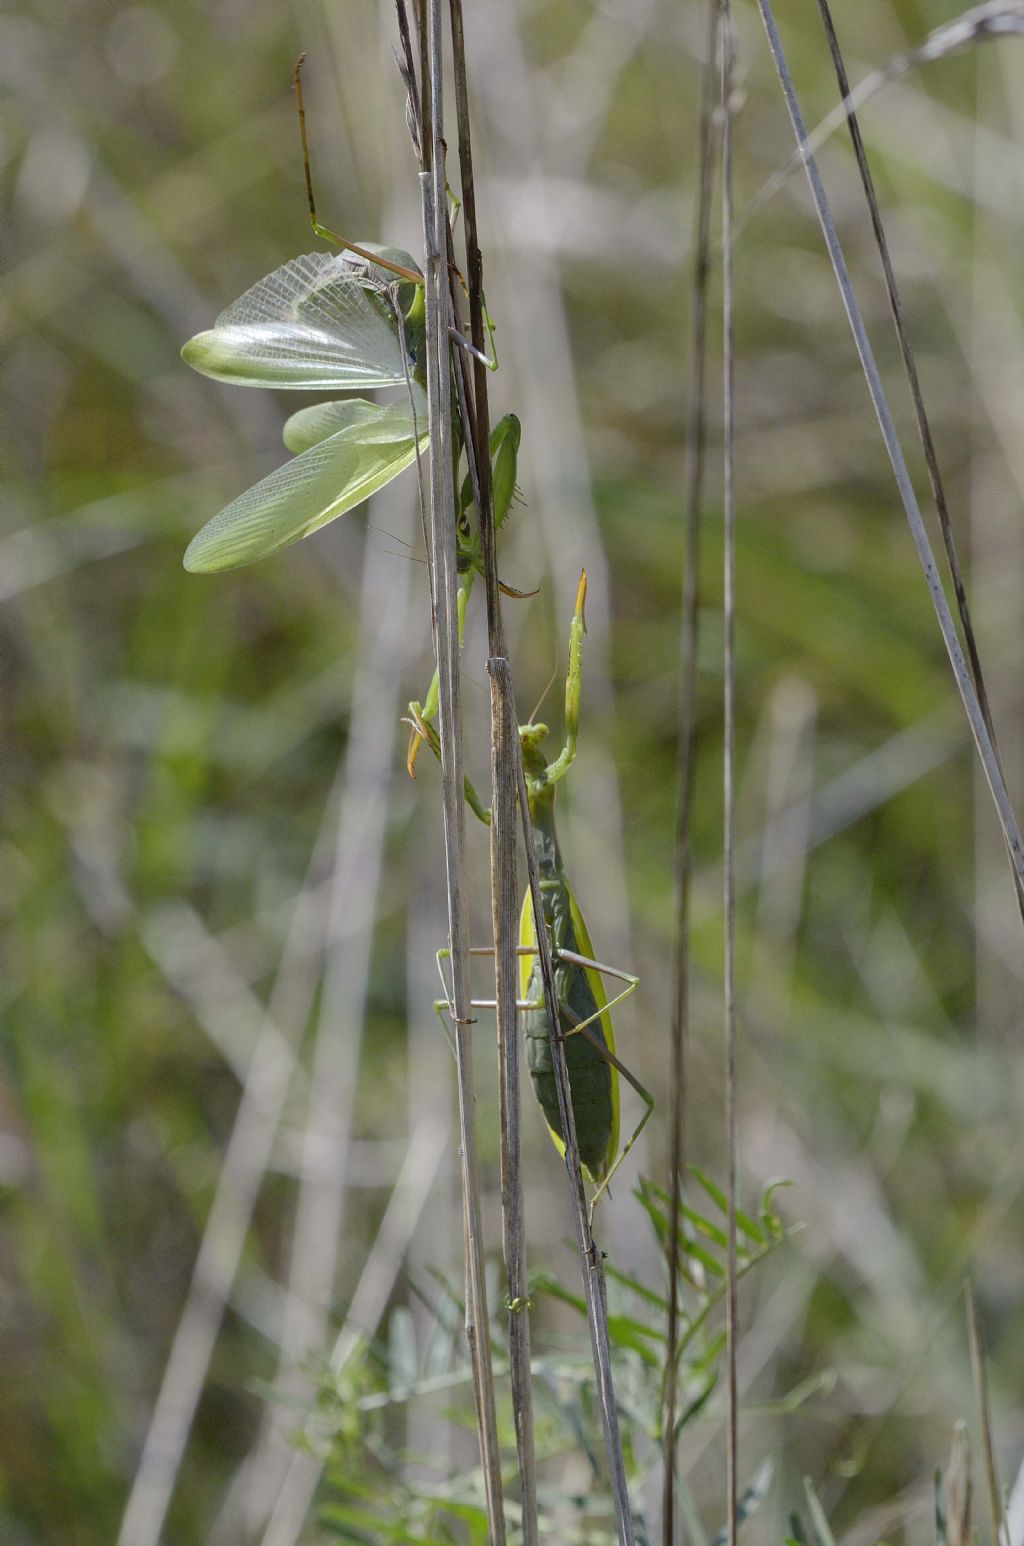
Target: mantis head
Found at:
x=531, y=738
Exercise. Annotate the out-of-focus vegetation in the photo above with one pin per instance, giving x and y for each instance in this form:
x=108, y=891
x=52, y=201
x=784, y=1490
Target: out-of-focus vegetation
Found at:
x=203, y=780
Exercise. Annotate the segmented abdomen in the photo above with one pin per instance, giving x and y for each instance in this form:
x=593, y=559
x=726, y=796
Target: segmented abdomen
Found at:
x=590, y=1075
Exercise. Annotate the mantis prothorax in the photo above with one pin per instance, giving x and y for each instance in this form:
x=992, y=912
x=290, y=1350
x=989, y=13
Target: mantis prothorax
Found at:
x=584, y=1008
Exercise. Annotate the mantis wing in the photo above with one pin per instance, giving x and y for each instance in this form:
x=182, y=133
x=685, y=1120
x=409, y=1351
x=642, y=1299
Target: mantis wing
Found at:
x=584, y=946
x=596, y=982
x=338, y=471
x=311, y=425
x=320, y=322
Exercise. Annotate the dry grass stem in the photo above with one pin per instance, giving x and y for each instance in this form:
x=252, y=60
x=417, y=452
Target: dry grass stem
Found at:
x=965, y=684
x=446, y=645
x=726, y=45
x=504, y=758
x=591, y=1260
x=686, y=742
x=505, y=917
x=935, y=478
x=995, y=19
x=957, y=1488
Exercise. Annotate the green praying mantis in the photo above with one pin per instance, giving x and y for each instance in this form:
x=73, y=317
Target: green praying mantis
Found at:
x=355, y=321
x=585, y=1023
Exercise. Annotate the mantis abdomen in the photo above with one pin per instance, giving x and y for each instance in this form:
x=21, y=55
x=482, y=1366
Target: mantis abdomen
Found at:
x=581, y=998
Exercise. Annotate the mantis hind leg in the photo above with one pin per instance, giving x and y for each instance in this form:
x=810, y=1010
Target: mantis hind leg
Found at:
x=583, y=1028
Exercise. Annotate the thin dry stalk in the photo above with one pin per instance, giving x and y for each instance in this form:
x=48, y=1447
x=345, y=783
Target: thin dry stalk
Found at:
x=910, y=367
x=591, y=1258
x=475, y=414
x=480, y=457
x=725, y=40
x=593, y=1273
x=957, y=1487
x=686, y=748
x=446, y=646
x=506, y=965
x=504, y=753
x=995, y=19
x=504, y=913
x=947, y=627
x=979, y=1369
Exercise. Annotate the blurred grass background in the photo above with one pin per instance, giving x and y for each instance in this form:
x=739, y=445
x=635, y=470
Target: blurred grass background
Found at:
x=188, y=761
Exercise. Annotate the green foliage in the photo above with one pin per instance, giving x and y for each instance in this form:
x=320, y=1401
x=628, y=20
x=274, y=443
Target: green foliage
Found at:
x=406, y=1383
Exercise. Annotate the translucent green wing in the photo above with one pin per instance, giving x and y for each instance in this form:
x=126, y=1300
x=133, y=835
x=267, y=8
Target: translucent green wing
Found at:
x=311, y=425
x=585, y=946
x=340, y=468
x=321, y=322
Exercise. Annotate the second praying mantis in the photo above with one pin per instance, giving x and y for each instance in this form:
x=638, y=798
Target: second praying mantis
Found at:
x=353, y=320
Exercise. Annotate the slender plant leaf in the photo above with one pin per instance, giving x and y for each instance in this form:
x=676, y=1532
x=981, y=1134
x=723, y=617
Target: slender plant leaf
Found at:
x=698, y=1403
x=546, y=1283
x=403, y=1360
x=355, y=1524
x=646, y=1194
x=642, y=1290
x=743, y=1220
x=628, y=1333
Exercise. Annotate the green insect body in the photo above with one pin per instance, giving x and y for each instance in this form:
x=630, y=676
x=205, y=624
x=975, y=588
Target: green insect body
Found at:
x=584, y=1008
x=581, y=996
